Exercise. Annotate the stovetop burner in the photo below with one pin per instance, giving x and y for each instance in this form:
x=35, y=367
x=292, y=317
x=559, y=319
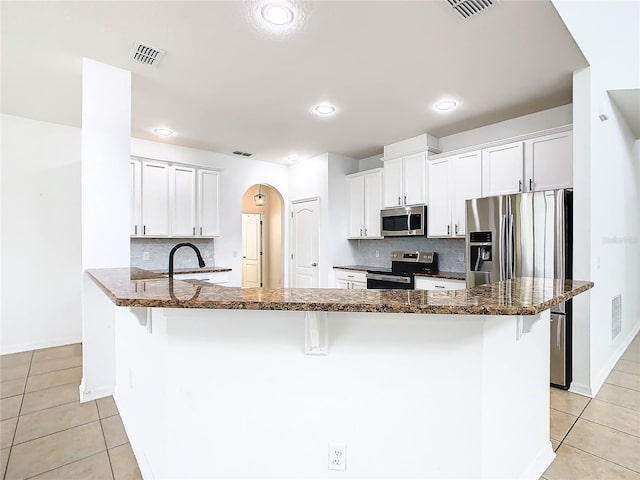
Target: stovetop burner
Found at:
x=403, y=267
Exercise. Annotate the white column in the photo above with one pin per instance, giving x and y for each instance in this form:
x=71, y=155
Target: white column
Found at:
x=106, y=142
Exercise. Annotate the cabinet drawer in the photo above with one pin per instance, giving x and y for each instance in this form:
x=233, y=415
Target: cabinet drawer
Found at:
x=217, y=278
x=350, y=276
x=422, y=283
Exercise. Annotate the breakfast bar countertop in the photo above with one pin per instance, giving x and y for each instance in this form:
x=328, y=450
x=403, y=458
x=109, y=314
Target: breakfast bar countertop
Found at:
x=134, y=287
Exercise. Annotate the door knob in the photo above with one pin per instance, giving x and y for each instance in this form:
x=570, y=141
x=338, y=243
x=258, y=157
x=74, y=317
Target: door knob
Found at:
x=314, y=264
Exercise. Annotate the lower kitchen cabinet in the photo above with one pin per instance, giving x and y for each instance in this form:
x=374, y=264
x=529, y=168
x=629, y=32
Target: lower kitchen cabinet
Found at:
x=350, y=279
x=216, y=278
x=424, y=283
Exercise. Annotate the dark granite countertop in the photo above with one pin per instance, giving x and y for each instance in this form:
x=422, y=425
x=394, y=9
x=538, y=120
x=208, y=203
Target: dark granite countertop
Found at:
x=521, y=296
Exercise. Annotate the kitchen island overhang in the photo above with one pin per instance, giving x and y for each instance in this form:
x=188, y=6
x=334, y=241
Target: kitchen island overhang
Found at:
x=220, y=392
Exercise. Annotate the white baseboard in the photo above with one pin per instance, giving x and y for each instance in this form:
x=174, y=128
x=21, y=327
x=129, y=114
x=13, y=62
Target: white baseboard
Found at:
x=540, y=463
x=25, y=347
x=94, y=394
x=581, y=389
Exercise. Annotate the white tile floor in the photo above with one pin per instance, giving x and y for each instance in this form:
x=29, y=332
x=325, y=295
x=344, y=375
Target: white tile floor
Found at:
x=47, y=434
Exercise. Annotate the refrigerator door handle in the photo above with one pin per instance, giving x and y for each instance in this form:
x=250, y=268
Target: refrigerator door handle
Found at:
x=559, y=332
x=502, y=247
x=511, y=258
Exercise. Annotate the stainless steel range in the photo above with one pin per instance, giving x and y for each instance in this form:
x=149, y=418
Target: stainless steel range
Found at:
x=403, y=267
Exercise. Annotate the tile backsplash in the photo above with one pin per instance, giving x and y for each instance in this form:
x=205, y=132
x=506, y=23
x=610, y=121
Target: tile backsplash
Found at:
x=159, y=248
x=449, y=251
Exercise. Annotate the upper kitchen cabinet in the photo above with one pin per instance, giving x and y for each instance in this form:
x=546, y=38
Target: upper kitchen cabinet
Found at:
x=155, y=199
x=502, y=169
x=135, y=215
x=405, y=180
x=209, y=203
x=182, y=200
x=535, y=164
x=452, y=181
x=365, y=202
x=549, y=162
x=173, y=200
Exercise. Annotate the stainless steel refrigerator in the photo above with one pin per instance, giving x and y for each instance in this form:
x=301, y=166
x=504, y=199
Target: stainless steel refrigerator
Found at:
x=526, y=235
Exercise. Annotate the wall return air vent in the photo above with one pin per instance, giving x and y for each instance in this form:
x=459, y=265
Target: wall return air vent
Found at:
x=144, y=53
x=469, y=8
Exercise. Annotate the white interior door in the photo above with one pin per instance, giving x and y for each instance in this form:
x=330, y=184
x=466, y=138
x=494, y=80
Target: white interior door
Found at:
x=305, y=229
x=252, y=250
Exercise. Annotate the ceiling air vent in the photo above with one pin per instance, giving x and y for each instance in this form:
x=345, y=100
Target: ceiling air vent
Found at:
x=469, y=8
x=146, y=54
x=242, y=154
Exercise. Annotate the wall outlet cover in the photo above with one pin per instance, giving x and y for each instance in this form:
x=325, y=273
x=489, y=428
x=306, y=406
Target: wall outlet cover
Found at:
x=337, y=456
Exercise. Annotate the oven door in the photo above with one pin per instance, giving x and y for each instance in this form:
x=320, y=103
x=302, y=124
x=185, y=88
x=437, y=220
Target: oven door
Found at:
x=403, y=222
x=378, y=281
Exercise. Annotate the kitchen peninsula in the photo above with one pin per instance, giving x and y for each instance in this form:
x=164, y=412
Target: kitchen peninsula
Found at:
x=217, y=382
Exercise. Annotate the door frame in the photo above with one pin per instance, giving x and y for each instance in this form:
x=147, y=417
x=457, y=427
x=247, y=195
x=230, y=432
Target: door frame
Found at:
x=292, y=232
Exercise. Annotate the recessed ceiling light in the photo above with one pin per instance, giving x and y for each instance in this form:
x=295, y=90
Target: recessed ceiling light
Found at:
x=444, y=105
x=163, y=132
x=324, y=109
x=277, y=14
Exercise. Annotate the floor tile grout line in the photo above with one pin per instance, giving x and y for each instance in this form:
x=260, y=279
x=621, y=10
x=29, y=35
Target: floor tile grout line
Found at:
x=617, y=404
x=53, y=406
x=53, y=386
x=66, y=464
x=54, y=371
x=55, y=433
x=602, y=458
x=104, y=438
x=610, y=427
x=622, y=386
x=573, y=425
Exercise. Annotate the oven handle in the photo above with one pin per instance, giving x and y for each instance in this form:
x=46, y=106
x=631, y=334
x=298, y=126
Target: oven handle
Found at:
x=388, y=278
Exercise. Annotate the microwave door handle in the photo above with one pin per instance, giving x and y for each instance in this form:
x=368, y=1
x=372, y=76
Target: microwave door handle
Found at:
x=409, y=222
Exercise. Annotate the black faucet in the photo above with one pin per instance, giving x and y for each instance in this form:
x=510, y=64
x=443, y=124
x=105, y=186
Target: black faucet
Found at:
x=173, y=250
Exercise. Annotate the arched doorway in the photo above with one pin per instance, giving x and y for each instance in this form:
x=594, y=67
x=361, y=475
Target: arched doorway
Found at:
x=262, y=237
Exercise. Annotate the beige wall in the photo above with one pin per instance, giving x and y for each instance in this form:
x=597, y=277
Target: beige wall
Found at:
x=273, y=274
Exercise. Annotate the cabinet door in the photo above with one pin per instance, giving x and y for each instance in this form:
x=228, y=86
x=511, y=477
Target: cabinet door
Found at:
x=549, y=162
x=372, y=204
x=358, y=286
x=182, y=195
x=502, y=169
x=393, y=183
x=414, y=174
x=439, y=211
x=155, y=199
x=208, y=203
x=136, y=198
x=466, y=183
x=356, y=207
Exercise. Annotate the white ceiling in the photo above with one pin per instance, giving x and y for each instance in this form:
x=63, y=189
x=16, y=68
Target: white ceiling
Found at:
x=226, y=83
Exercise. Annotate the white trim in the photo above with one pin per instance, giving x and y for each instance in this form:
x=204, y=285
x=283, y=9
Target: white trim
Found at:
x=433, y=150
x=504, y=141
x=172, y=162
x=365, y=172
x=540, y=463
x=291, y=233
x=581, y=389
x=95, y=394
x=25, y=347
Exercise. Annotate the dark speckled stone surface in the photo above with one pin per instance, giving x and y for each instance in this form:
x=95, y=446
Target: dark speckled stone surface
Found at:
x=523, y=296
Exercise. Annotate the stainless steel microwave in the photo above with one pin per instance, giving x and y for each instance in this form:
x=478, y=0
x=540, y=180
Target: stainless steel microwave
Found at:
x=404, y=221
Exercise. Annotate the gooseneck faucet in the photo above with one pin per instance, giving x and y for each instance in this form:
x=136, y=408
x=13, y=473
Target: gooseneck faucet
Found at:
x=173, y=251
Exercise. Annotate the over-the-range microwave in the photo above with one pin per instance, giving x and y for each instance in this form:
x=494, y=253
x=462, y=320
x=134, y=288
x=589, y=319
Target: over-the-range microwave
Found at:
x=404, y=221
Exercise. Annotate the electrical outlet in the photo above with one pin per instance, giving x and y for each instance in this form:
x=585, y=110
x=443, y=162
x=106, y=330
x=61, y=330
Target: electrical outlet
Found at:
x=461, y=257
x=377, y=253
x=145, y=255
x=206, y=254
x=337, y=456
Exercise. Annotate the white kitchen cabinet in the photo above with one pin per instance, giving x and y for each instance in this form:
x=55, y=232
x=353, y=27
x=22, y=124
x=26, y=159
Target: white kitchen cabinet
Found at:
x=465, y=173
x=135, y=198
x=502, y=169
x=549, y=162
x=215, y=278
x=452, y=181
x=365, y=202
x=405, y=180
x=439, y=211
x=425, y=283
x=535, y=164
x=393, y=184
x=155, y=199
x=182, y=201
x=208, y=203
x=350, y=279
